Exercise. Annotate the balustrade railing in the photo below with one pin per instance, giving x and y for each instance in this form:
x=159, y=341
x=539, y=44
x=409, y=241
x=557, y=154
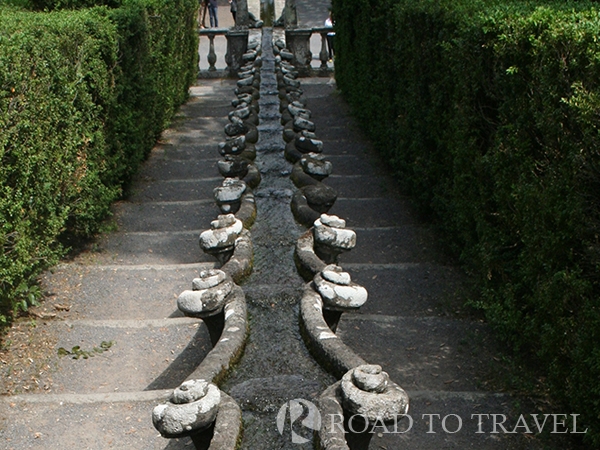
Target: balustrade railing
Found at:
x=324, y=53
x=211, y=57
x=220, y=51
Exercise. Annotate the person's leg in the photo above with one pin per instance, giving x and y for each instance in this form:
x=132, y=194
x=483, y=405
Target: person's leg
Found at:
x=211, y=15
x=204, y=10
x=212, y=11
x=330, y=45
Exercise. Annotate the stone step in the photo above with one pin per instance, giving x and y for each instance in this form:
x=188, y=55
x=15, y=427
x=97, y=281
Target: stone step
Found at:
x=152, y=248
x=189, y=164
x=369, y=212
x=165, y=216
x=352, y=145
x=121, y=420
x=389, y=245
x=138, y=354
x=197, y=130
x=449, y=420
x=149, y=191
x=117, y=292
x=423, y=353
x=408, y=289
x=209, y=98
x=86, y=422
x=347, y=164
x=360, y=186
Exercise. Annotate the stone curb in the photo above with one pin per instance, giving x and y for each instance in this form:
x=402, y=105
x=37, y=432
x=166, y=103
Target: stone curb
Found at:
x=247, y=211
x=313, y=198
x=330, y=405
x=300, y=178
x=225, y=433
x=215, y=366
x=303, y=213
x=325, y=345
x=307, y=261
x=253, y=177
x=228, y=426
x=239, y=266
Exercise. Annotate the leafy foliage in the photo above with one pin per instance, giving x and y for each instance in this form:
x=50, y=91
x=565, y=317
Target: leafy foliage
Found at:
x=77, y=352
x=83, y=97
x=489, y=112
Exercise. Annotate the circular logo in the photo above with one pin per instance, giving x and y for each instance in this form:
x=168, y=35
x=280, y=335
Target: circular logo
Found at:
x=302, y=410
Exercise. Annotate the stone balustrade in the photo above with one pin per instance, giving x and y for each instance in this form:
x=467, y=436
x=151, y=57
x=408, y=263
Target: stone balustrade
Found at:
x=231, y=44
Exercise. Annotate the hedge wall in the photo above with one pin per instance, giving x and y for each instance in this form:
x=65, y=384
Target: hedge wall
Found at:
x=489, y=112
x=83, y=97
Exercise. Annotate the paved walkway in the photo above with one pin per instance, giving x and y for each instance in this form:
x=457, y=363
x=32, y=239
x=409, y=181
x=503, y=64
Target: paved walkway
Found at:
x=119, y=298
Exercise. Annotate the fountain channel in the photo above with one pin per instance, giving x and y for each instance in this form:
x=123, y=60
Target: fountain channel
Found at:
x=276, y=366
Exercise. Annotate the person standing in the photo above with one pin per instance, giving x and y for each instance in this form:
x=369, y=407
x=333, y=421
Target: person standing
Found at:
x=202, y=13
x=233, y=9
x=330, y=35
x=212, y=13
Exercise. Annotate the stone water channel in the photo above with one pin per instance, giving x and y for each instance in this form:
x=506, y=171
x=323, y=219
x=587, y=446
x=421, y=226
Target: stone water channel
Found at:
x=276, y=366
x=276, y=376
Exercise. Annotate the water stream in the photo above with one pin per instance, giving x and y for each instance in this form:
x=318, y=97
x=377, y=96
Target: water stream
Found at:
x=276, y=366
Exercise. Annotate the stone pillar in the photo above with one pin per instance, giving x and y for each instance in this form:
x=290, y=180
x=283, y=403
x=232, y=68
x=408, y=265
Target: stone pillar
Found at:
x=237, y=44
x=298, y=42
x=241, y=17
x=290, y=14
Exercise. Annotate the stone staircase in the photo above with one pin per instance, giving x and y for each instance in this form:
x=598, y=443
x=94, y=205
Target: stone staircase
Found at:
x=127, y=346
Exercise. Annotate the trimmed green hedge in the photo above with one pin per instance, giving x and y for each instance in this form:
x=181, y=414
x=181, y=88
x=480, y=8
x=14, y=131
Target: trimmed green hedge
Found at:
x=83, y=97
x=489, y=112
